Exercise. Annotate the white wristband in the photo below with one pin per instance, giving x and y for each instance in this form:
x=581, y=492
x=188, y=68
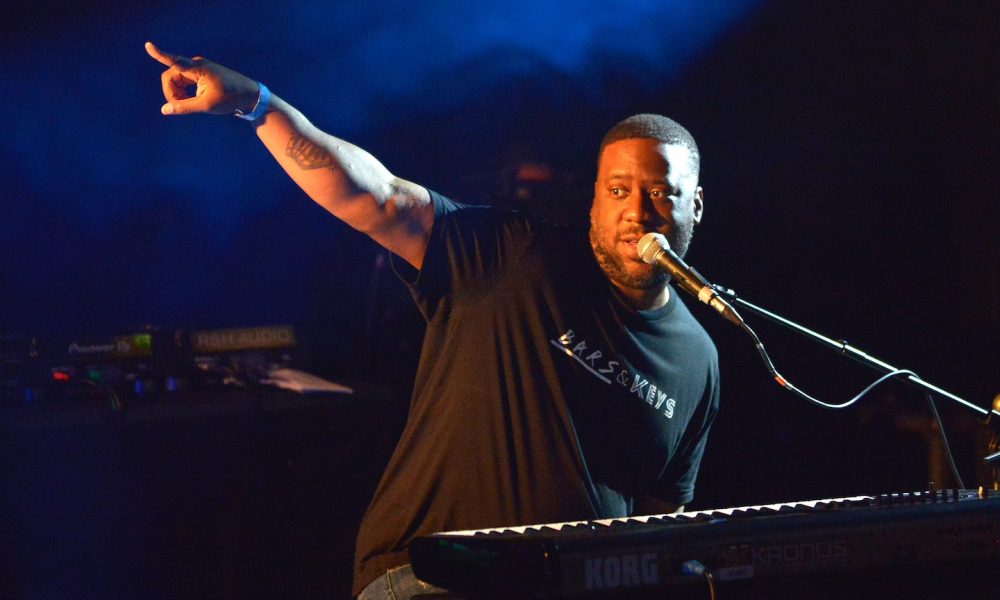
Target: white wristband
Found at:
x=263, y=99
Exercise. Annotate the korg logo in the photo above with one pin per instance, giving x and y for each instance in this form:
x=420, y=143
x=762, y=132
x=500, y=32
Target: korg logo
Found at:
x=627, y=570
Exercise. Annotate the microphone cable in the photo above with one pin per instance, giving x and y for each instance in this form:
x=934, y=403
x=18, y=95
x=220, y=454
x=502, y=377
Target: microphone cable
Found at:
x=654, y=249
x=785, y=383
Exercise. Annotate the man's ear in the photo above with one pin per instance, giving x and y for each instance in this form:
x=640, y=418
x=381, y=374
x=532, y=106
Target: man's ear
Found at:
x=699, y=204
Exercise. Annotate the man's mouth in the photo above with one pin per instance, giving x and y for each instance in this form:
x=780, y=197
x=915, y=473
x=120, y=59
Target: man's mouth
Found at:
x=631, y=241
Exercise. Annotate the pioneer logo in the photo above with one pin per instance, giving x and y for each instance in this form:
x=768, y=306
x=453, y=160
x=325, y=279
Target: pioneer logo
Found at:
x=75, y=348
x=138, y=345
x=806, y=553
x=626, y=570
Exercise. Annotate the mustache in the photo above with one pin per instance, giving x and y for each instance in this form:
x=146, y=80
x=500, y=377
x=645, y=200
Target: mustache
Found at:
x=636, y=232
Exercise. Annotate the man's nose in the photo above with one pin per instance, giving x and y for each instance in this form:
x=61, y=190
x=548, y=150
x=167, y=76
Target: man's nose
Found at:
x=638, y=209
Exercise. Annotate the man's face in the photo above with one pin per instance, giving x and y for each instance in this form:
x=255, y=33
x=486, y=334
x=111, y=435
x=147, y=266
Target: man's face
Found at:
x=642, y=186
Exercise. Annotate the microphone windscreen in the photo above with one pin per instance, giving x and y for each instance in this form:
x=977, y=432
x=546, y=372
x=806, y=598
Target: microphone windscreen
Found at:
x=650, y=245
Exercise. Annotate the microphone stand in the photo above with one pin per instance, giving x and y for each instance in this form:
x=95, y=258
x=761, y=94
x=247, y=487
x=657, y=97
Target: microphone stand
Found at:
x=846, y=349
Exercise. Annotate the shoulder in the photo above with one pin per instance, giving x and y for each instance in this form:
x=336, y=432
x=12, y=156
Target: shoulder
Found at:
x=471, y=247
x=482, y=228
x=686, y=325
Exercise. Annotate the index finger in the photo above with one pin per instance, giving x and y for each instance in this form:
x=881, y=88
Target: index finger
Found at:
x=166, y=58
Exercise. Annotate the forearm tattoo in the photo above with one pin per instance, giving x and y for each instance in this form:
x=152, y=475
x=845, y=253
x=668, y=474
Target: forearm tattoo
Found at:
x=308, y=155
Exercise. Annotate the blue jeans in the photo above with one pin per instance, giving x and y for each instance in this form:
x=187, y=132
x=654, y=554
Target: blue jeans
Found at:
x=399, y=583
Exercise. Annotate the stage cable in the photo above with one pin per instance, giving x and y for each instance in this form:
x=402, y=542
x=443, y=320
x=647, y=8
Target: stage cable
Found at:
x=769, y=365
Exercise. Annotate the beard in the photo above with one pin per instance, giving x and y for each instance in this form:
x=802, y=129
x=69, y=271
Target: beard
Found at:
x=641, y=276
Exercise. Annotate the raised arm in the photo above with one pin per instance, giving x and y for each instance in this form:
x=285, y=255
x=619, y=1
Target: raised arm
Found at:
x=342, y=178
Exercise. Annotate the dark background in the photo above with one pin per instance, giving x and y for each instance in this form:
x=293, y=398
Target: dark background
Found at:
x=849, y=158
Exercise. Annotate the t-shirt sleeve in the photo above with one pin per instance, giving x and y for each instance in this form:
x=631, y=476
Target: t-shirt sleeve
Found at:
x=676, y=482
x=469, y=250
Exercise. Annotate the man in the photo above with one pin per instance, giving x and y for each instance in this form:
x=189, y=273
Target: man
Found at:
x=561, y=378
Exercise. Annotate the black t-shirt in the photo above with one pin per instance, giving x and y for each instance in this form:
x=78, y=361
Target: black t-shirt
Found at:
x=541, y=395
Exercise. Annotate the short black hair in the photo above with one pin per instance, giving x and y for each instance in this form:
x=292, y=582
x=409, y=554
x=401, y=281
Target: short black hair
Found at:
x=654, y=127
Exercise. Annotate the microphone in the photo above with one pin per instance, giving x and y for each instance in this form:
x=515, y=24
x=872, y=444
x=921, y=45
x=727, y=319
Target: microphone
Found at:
x=654, y=250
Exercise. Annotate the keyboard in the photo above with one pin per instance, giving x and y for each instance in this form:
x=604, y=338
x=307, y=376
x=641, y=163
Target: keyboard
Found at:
x=659, y=552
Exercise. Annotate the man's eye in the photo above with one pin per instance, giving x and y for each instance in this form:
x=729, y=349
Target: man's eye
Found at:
x=617, y=191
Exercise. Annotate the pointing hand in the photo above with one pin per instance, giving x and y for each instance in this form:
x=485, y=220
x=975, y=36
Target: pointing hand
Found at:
x=217, y=90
